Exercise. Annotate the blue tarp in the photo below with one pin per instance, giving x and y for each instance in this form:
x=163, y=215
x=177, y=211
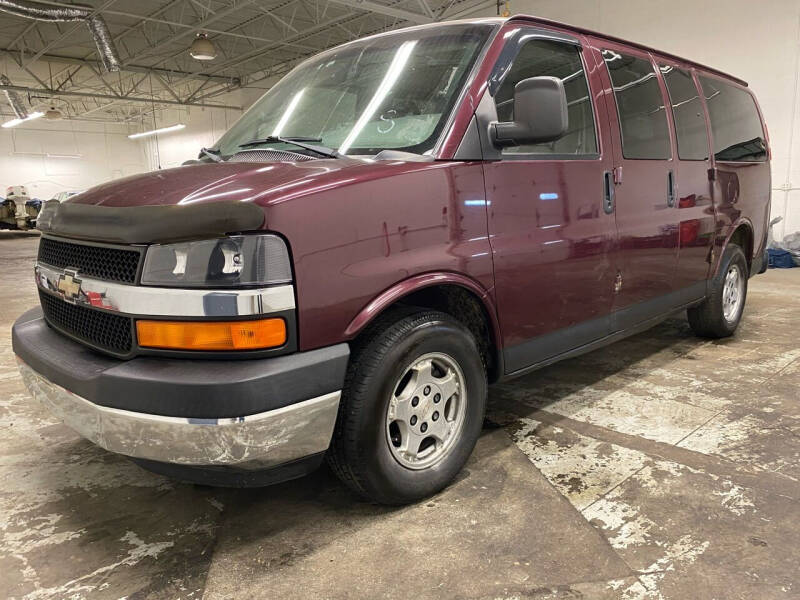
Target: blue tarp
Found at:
x=780, y=259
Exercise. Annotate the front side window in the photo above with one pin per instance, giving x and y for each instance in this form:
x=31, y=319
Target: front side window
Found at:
x=687, y=111
x=642, y=116
x=735, y=124
x=553, y=59
x=387, y=92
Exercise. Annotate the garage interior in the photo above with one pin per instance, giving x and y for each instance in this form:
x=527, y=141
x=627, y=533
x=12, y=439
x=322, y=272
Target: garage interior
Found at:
x=662, y=466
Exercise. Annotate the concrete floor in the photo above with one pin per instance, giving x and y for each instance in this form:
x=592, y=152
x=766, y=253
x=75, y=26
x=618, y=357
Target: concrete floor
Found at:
x=663, y=466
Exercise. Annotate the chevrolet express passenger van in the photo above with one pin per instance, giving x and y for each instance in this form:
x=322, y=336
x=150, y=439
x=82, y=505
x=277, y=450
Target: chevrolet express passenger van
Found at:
x=395, y=225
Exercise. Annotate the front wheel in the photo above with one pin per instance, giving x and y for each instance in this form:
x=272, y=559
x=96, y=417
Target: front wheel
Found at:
x=720, y=313
x=412, y=407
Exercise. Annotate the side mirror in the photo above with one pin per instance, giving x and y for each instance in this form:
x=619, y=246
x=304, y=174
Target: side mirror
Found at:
x=540, y=114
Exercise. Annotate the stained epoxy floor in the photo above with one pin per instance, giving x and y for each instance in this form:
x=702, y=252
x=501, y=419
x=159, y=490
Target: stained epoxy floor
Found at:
x=663, y=466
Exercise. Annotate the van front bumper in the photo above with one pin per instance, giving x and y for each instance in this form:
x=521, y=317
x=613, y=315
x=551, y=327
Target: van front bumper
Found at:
x=249, y=414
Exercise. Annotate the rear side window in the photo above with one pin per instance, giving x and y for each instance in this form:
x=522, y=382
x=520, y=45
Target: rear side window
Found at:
x=554, y=59
x=642, y=116
x=735, y=124
x=687, y=110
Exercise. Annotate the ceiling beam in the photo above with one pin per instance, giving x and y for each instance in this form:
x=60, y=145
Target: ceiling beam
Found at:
x=48, y=92
x=199, y=26
x=303, y=33
x=154, y=18
x=367, y=6
x=265, y=14
x=423, y=4
x=24, y=32
x=167, y=87
x=16, y=55
x=281, y=67
x=469, y=10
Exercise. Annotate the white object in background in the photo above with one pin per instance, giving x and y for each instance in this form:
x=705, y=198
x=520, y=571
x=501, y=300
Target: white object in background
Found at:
x=771, y=243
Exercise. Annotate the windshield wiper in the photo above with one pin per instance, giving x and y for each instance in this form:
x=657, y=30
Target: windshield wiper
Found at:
x=297, y=141
x=212, y=154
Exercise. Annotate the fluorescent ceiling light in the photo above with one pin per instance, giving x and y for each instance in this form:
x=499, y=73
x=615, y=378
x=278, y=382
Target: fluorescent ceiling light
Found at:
x=133, y=136
x=46, y=155
x=15, y=122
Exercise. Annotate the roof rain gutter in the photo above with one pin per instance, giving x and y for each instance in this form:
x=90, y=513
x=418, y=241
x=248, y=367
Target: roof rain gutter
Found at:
x=96, y=23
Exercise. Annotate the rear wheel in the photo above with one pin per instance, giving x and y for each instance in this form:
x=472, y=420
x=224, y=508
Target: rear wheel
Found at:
x=412, y=407
x=719, y=315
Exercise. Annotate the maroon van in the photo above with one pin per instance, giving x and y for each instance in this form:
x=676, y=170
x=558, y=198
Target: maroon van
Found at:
x=396, y=224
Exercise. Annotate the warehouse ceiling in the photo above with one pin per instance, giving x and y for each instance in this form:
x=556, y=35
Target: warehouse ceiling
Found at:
x=59, y=63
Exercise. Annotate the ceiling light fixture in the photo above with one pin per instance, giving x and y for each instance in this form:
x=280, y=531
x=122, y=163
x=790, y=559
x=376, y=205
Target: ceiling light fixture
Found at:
x=15, y=122
x=53, y=114
x=202, y=48
x=133, y=136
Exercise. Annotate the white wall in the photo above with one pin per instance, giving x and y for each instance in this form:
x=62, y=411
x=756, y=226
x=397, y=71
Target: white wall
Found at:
x=203, y=127
x=756, y=41
x=104, y=152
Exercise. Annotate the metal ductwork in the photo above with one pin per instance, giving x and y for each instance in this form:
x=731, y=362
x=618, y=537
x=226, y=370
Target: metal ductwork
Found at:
x=13, y=99
x=96, y=23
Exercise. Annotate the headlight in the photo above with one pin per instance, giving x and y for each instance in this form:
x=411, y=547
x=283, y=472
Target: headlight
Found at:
x=240, y=260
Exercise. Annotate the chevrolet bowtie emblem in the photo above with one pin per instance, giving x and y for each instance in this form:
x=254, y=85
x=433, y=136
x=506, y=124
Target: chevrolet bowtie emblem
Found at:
x=69, y=285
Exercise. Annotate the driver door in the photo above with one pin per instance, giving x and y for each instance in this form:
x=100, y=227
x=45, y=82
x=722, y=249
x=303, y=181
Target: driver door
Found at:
x=551, y=228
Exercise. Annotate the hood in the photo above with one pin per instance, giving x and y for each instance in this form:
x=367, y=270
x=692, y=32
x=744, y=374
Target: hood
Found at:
x=259, y=183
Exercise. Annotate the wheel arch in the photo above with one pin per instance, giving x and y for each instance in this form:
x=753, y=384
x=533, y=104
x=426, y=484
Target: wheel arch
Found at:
x=457, y=295
x=740, y=233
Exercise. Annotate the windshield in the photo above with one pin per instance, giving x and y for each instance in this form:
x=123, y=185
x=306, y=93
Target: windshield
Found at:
x=387, y=92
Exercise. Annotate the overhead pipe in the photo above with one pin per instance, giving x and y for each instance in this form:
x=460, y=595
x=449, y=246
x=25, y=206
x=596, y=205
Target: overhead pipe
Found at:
x=97, y=25
x=13, y=99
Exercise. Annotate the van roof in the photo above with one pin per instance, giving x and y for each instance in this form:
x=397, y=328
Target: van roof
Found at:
x=551, y=23
x=543, y=21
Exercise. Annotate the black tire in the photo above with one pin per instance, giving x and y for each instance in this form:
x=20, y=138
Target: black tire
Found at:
x=708, y=319
x=359, y=453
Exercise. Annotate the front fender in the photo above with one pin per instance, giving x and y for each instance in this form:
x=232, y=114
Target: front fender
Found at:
x=403, y=288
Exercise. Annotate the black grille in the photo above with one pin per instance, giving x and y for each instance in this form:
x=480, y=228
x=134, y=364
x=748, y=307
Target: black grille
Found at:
x=103, y=330
x=102, y=262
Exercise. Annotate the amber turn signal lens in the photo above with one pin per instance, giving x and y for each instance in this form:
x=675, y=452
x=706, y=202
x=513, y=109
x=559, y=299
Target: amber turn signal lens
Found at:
x=212, y=335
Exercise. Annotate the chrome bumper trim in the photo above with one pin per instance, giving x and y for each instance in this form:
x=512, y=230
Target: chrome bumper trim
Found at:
x=165, y=302
x=252, y=442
